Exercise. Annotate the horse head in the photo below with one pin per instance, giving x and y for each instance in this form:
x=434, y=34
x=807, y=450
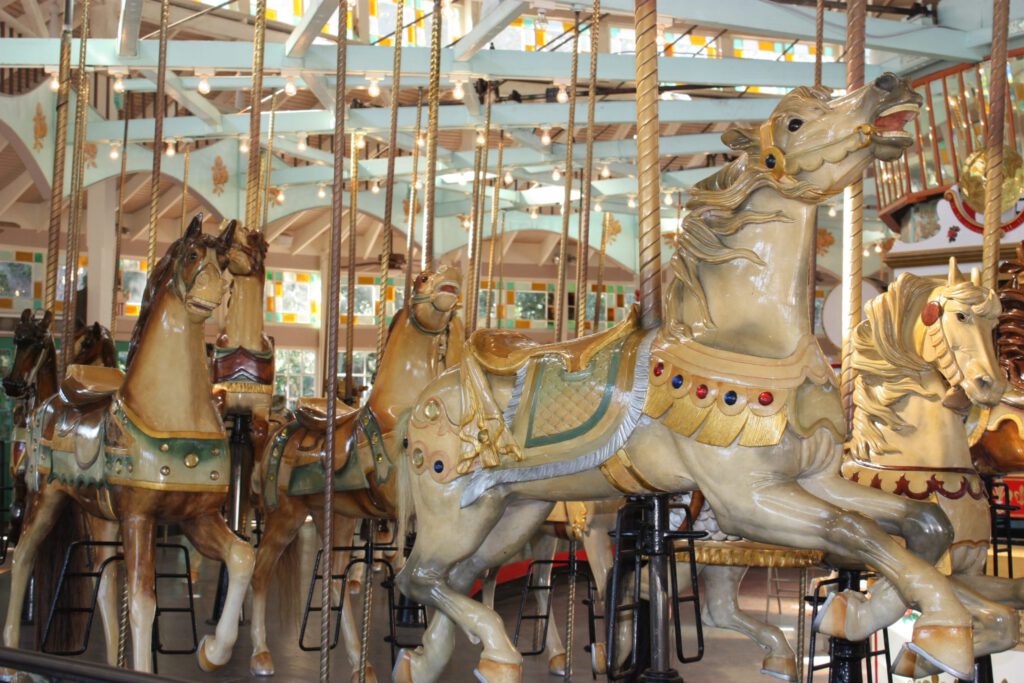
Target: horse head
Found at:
x=827, y=142
x=32, y=343
x=242, y=251
x=435, y=296
x=94, y=346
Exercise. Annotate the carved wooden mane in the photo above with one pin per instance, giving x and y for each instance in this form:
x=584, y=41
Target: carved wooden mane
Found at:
x=1010, y=329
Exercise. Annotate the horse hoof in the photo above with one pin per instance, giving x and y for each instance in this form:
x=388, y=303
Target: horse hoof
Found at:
x=909, y=665
x=355, y=587
x=402, y=673
x=783, y=668
x=371, y=676
x=490, y=671
x=556, y=665
x=950, y=648
x=599, y=659
x=261, y=664
x=204, y=660
x=831, y=619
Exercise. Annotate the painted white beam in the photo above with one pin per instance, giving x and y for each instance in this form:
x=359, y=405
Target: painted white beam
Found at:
x=317, y=85
x=128, y=28
x=34, y=12
x=495, y=16
x=13, y=190
x=370, y=240
x=278, y=228
x=189, y=98
x=309, y=27
x=307, y=235
x=137, y=222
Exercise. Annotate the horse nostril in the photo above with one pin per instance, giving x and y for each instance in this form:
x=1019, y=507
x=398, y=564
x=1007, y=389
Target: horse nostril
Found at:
x=887, y=81
x=985, y=382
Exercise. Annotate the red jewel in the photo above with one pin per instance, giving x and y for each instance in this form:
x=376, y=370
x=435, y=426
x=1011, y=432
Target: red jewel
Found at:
x=702, y=391
x=658, y=369
x=765, y=398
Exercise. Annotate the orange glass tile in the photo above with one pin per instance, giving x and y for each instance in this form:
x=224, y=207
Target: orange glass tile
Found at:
x=23, y=256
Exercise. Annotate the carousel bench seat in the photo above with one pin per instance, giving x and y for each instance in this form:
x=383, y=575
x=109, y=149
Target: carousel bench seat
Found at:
x=88, y=384
x=503, y=353
x=311, y=412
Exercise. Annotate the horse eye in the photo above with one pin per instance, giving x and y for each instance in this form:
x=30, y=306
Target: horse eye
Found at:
x=193, y=256
x=961, y=316
x=794, y=125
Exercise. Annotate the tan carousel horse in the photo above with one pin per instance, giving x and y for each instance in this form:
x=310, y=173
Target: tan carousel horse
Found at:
x=425, y=338
x=737, y=400
x=144, y=447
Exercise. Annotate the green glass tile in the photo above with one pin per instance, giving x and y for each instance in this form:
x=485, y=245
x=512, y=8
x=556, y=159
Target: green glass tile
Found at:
x=38, y=257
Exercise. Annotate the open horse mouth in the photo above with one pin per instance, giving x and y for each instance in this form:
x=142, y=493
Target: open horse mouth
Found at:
x=201, y=305
x=449, y=289
x=888, y=125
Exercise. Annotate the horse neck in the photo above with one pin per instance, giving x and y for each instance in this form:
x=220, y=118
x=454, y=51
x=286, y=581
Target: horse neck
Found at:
x=243, y=322
x=46, y=378
x=758, y=309
x=410, y=361
x=168, y=382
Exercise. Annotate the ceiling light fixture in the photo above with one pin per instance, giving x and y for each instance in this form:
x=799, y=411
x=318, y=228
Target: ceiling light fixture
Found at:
x=508, y=177
x=563, y=95
x=458, y=92
x=243, y=146
x=545, y=136
x=289, y=86
x=115, y=150
x=322, y=192
x=303, y=143
x=374, y=89
x=606, y=172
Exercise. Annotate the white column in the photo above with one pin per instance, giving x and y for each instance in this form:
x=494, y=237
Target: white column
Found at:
x=99, y=244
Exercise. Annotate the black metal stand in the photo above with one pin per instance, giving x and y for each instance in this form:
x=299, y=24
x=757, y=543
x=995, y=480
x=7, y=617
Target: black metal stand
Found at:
x=240, y=446
x=846, y=659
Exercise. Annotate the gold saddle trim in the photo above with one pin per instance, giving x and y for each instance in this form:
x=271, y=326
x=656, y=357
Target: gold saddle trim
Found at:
x=750, y=554
x=311, y=412
x=503, y=353
x=87, y=384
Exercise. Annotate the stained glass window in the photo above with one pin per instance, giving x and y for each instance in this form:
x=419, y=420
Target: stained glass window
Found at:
x=295, y=374
x=21, y=281
x=293, y=297
x=134, y=272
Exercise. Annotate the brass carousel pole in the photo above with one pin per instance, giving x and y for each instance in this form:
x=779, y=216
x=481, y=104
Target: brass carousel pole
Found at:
x=472, y=297
x=184, y=187
x=495, y=204
x=853, y=209
x=501, y=272
x=159, y=104
x=812, y=271
x=583, y=244
x=252, y=188
x=119, y=210
x=433, y=102
x=266, y=168
x=570, y=140
x=60, y=144
x=648, y=169
x=77, y=195
x=994, y=145
x=410, y=227
x=350, y=309
x=331, y=347
x=599, y=285
x=387, y=246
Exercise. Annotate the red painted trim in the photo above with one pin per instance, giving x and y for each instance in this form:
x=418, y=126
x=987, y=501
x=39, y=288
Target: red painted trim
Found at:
x=518, y=570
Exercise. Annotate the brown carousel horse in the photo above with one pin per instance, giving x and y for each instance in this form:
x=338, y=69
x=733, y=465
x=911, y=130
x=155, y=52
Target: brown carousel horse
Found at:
x=425, y=338
x=144, y=447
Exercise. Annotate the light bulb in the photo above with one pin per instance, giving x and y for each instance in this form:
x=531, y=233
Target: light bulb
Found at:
x=375, y=188
x=668, y=199
x=556, y=175
x=598, y=207
x=418, y=184
x=533, y=214
x=867, y=253
x=118, y=83
x=466, y=225
x=115, y=152
x=563, y=96
x=203, y=86
x=360, y=141
x=632, y=201
x=545, y=136
x=457, y=92
x=606, y=172
x=480, y=139
x=243, y=146
x=289, y=86
x=54, y=82
x=508, y=177
x=374, y=89
x=462, y=179
x=280, y=197
x=878, y=247
x=171, y=150
x=322, y=192
x=302, y=144
x=421, y=141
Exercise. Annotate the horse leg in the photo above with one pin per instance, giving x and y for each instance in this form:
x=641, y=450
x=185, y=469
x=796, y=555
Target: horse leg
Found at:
x=722, y=610
x=212, y=537
x=969, y=571
x=139, y=541
x=43, y=513
x=280, y=527
x=107, y=598
x=598, y=546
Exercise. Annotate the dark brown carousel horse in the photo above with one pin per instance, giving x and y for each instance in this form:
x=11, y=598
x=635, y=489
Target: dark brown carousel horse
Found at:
x=142, y=448
x=425, y=339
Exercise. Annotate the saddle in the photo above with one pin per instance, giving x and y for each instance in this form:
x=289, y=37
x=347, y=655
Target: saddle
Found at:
x=312, y=413
x=86, y=385
x=503, y=353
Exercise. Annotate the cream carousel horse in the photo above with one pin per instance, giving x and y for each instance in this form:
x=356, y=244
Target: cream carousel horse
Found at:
x=735, y=399
x=142, y=448
x=425, y=338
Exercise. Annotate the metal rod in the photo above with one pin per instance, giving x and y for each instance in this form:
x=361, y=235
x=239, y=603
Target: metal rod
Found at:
x=470, y=288
x=331, y=348
x=599, y=286
x=159, y=104
x=479, y=211
x=819, y=39
x=185, y=20
x=570, y=140
x=350, y=308
x=501, y=272
x=266, y=168
x=433, y=101
x=122, y=182
x=495, y=204
x=410, y=228
x=648, y=170
x=994, y=145
x=583, y=243
x=60, y=146
x=184, y=187
x=255, y=111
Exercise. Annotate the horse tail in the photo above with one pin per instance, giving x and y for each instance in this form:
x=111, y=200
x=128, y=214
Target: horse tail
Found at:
x=67, y=631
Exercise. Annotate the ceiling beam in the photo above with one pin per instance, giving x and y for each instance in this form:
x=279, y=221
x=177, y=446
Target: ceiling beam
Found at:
x=34, y=12
x=128, y=24
x=189, y=98
x=317, y=85
x=495, y=16
x=307, y=235
x=309, y=27
x=370, y=240
x=13, y=190
x=547, y=248
x=278, y=228
x=137, y=222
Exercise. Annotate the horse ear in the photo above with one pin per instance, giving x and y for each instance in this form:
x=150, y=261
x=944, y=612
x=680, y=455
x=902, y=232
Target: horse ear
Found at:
x=739, y=138
x=227, y=233
x=47, y=319
x=954, y=273
x=975, y=277
x=195, y=228
x=932, y=311
x=96, y=329
x=26, y=315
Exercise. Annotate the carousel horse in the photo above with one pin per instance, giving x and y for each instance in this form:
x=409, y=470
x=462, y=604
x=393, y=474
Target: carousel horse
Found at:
x=736, y=400
x=33, y=378
x=425, y=338
x=143, y=447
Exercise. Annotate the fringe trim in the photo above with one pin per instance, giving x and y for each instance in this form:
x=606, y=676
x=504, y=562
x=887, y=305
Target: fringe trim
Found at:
x=485, y=479
x=517, y=395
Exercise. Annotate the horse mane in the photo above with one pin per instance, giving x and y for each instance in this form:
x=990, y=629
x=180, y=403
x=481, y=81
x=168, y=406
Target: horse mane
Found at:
x=258, y=245
x=884, y=357
x=1009, y=331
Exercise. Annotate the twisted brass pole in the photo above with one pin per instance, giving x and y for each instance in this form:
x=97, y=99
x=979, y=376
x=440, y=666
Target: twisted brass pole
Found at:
x=994, y=145
x=648, y=168
x=853, y=208
x=184, y=187
x=77, y=195
x=433, y=102
x=500, y=308
x=387, y=246
x=468, y=297
x=819, y=40
x=495, y=203
x=570, y=140
x=812, y=257
x=410, y=228
x=255, y=111
x=583, y=245
x=331, y=347
x=350, y=308
x=266, y=168
x=119, y=210
x=479, y=211
x=159, y=105
x=599, y=294
x=60, y=146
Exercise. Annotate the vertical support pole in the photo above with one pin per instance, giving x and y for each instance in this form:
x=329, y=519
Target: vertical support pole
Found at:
x=159, y=104
x=184, y=188
x=853, y=209
x=350, y=308
x=847, y=658
x=660, y=591
x=583, y=243
x=433, y=102
x=102, y=253
x=478, y=219
x=117, y=219
x=252, y=188
x=601, y=257
x=994, y=145
x=60, y=146
x=387, y=246
x=410, y=230
x=495, y=204
x=471, y=291
x=570, y=173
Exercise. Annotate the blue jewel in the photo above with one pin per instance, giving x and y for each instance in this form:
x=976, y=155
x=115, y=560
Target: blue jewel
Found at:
x=677, y=381
x=438, y=466
x=730, y=398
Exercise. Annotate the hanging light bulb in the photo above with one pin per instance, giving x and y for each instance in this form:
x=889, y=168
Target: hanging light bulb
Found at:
x=360, y=141
x=480, y=139
x=171, y=149
x=545, y=136
x=303, y=143
x=54, y=81
x=556, y=174
x=632, y=201
x=289, y=86
x=279, y=198
x=533, y=213
x=421, y=141
x=597, y=207
x=606, y=172
x=115, y=151
x=878, y=247
x=867, y=253
x=508, y=177
x=374, y=89
x=118, y=83
x=418, y=184
x=466, y=225
x=322, y=192
x=375, y=188
x=458, y=92
x=563, y=95
x=668, y=199
x=832, y=211
x=243, y=146
x=203, y=86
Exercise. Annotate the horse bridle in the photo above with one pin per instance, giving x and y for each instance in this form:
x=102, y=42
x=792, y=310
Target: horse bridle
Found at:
x=935, y=336
x=776, y=161
x=424, y=299
x=185, y=286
